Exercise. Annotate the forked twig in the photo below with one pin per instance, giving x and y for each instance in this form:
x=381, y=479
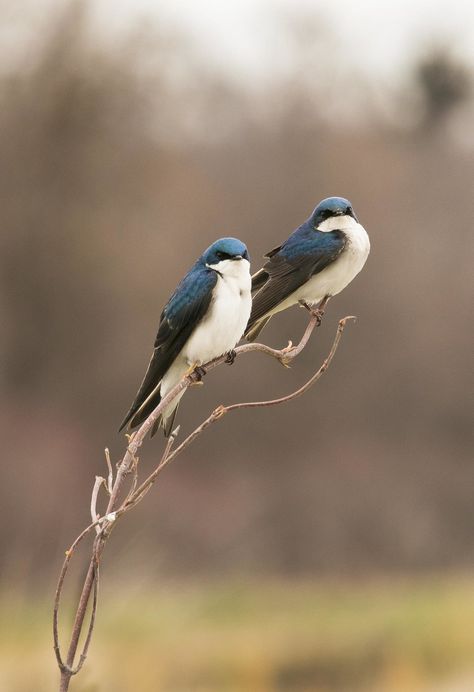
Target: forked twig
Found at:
x=129, y=464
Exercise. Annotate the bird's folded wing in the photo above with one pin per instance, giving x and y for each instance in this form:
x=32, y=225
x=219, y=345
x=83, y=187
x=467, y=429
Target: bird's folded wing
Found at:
x=290, y=266
x=260, y=277
x=183, y=312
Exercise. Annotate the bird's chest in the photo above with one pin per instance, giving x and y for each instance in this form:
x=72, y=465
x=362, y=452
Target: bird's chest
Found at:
x=225, y=321
x=339, y=273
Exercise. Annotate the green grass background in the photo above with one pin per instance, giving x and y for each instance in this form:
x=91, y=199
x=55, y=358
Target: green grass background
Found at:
x=298, y=636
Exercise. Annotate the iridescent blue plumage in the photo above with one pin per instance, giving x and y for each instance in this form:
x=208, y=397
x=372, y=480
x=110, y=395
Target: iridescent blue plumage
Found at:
x=194, y=291
x=306, y=245
x=179, y=319
x=331, y=206
x=290, y=274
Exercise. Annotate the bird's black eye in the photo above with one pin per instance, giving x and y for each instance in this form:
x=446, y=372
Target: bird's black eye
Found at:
x=349, y=211
x=223, y=255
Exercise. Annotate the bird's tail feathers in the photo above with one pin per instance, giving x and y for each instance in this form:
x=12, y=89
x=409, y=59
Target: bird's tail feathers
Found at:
x=166, y=422
x=127, y=418
x=136, y=417
x=145, y=409
x=141, y=403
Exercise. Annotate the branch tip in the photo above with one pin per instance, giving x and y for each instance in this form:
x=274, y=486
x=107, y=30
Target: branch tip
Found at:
x=348, y=318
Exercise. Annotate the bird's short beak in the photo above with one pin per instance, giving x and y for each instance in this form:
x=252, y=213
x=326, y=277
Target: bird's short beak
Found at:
x=237, y=257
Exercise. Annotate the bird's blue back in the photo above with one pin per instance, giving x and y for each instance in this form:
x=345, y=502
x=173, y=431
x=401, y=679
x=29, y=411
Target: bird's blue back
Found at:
x=197, y=283
x=306, y=241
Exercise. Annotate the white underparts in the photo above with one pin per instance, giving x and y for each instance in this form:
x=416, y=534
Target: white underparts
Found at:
x=333, y=279
x=221, y=328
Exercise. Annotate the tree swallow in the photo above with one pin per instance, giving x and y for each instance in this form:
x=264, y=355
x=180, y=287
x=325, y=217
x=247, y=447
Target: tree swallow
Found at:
x=204, y=318
x=317, y=261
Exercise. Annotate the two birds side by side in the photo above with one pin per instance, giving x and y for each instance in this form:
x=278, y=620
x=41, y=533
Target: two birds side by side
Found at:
x=218, y=302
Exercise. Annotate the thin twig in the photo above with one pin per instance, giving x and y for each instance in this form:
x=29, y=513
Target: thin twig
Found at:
x=137, y=494
x=83, y=655
x=304, y=388
x=85, y=649
x=95, y=492
x=57, y=596
x=110, y=475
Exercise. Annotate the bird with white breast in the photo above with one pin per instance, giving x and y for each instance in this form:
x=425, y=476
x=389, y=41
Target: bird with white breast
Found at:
x=316, y=262
x=205, y=318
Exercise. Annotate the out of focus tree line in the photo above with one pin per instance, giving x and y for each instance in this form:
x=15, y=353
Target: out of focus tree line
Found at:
x=119, y=165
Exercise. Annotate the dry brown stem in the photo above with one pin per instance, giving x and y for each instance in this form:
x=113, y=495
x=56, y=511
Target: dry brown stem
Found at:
x=129, y=466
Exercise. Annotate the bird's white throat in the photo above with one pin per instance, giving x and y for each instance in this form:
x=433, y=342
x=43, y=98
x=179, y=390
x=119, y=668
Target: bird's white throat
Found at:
x=337, y=223
x=233, y=269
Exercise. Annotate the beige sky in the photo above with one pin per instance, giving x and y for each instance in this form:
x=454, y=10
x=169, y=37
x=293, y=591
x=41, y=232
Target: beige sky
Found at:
x=245, y=34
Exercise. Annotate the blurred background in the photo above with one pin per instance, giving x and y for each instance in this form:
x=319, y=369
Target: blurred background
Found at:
x=325, y=545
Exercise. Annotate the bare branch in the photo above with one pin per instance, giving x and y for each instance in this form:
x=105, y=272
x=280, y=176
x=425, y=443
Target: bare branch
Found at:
x=85, y=649
x=129, y=464
x=57, y=597
x=304, y=388
x=136, y=495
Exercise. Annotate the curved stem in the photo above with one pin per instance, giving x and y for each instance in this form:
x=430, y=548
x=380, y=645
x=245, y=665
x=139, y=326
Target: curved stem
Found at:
x=135, y=494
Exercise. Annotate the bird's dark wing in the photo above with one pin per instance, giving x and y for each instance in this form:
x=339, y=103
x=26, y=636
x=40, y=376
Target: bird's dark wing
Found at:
x=261, y=277
x=292, y=264
x=182, y=313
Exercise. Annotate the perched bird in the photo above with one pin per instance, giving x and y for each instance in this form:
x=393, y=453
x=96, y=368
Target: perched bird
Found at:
x=317, y=261
x=204, y=318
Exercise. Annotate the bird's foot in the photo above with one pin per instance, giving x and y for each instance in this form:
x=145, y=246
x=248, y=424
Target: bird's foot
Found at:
x=230, y=357
x=199, y=373
x=304, y=304
x=318, y=314
x=195, y=372
x=316, y=311
x=286, y=354
x=190, y=370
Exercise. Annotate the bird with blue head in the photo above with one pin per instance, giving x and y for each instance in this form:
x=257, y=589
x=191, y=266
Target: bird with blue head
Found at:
x=319, y=259
x=205, y=318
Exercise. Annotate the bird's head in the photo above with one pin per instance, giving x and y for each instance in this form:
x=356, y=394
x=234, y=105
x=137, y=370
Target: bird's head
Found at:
x=331, y=213
x=224, y=253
